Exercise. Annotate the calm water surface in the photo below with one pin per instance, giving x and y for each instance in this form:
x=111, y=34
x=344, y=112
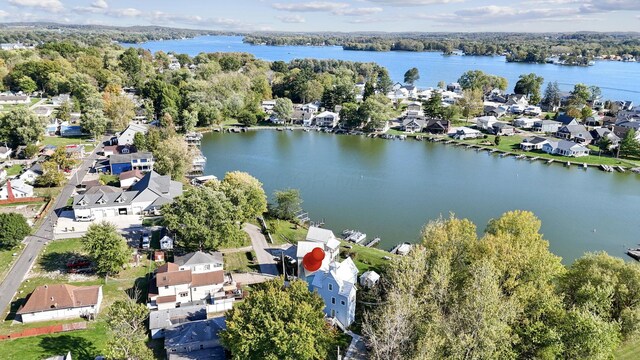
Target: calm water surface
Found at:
x=619, y=81
x=392, y=188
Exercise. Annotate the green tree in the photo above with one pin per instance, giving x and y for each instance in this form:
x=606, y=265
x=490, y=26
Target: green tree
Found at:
x=246, y=193
x=283, y=109
x=127, y=331
x=497, y=140
x=376, y=111
x=172, y=157
x=580, y=94
x=203, y=218
x=432, y=107
x=94, y=122
x=119, y=109
x=140, y=141
x=31, y=150
x=585, y=112
x=21, y=126
x=478, y=80
x=350, y=116
x=529, y=85
x=369, y=90
x=629, y=145
x=452, y=112
x=384, y=82
x=411, y=76
x=13, y=229
x=64, y=111
x=551, y=97
x=247, y=118
x=604, y=144
x=189, y=120
x=27, y=85
x=471, y=103
x=107, y=248
x=287, y=204
x=278, y=322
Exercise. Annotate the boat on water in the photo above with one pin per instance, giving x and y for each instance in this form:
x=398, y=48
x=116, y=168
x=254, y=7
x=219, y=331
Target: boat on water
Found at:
x=354, y=236
x=634, y=253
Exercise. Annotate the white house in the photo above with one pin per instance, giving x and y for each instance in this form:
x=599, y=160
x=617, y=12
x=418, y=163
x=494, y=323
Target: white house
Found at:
x=486, y=122
x=193, y=277
x=16, y=189
x=126, y=137
x=337, y=287
x=565, y=148
x=11, y=99
x=61, y=301
x=324, y=237
x=268, y=105
x=464, y=132
x=533, y=143
x=145, y=197
x=31, y=174
x=327, y=119
x=524, y=122
x=129, y=178
x=166, y=243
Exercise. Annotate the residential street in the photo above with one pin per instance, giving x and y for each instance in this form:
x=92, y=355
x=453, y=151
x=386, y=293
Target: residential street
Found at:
x=259, y=242
x=44, y=233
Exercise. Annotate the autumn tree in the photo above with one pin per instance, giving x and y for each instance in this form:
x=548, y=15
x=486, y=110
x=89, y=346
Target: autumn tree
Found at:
x=125, y=320
x=172, y=157
x=246, y=193
x=119, y=109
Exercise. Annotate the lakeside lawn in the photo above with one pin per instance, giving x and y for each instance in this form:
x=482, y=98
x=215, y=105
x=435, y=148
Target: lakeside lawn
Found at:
x=283, y=232
x=628, y=350
x=366, y=258
x=49, y=269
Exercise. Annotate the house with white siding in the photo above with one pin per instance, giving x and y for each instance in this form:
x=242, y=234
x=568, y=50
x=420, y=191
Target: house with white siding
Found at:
x=61, y=301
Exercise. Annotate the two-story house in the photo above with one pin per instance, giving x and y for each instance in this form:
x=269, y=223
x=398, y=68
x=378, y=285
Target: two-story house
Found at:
x=327, y=119
x=193, y=277
x=119, y=163
x=577, y=133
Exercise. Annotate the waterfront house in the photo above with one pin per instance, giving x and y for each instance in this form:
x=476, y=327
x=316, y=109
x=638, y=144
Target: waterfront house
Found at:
x=31, y=174
x=546, y=126
x=413, y=124
x=414, y=106
x=61, y=301
x=192, y=277
x=495, y=110
x=463, y=133
x=5, y=152
x=337, y=287
x=485, y=122
x=565, y=119
x=436, y=126
x=524, y=122
x=327, y=119
x=577, y=133
x=310, y=108
x=119, y=163
x=195, y=340
x=144, y=197
x=126, y=137
x=325, y=237
x=274, y=119
x=600, y=133
x=15, y=189
x=502, y=129
x=43, y=111
x=268, y=105
x=533, y=143
x=565, y=148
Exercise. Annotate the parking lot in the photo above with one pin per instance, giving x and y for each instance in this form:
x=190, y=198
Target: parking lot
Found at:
x=67, y=227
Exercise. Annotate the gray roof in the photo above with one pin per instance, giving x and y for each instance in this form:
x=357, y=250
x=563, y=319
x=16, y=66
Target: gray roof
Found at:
x=126, y=158
x=199, y=257
x=535, y=140
x=162, y=319
x=576, y=130
x=127, y=136
x=194, y=332
x=569, y=145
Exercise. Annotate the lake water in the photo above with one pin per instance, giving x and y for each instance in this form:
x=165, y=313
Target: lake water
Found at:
x=618, y=81
x=391, y=189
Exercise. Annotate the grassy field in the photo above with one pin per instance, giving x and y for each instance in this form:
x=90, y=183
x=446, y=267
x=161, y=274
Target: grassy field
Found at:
x=366, y=258
x=240, y=262
x=7, y=259
x=49, y=269
x=628, y=351
x=284, y=232
x=64, y=141
x=111, y=180
x=14, y=170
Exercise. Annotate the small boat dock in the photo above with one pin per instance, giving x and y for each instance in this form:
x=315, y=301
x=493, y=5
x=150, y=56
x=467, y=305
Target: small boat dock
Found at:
x=354, y=236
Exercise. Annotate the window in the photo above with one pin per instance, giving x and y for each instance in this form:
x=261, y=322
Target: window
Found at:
x=183, y=294
x=166, y=286
x=207, y=267
x=333, y=300
x=194, y=289
x=342, y=302
x=330, y=287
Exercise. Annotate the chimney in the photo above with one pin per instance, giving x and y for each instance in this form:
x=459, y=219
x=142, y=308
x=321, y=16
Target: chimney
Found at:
x=10, y=195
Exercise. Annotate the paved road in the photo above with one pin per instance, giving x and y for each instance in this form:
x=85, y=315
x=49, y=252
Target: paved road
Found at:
x=259, y=243
x=44, y=233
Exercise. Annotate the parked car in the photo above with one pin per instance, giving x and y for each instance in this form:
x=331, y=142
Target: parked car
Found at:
x=145, y=240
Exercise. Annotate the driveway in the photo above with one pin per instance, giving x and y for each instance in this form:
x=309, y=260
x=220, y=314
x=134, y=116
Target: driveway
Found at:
x=66, y=224
x=41, y=235
x=260, y=246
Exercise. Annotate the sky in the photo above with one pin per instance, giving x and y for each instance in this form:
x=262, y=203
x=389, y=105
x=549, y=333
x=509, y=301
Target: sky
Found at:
x=343, y=16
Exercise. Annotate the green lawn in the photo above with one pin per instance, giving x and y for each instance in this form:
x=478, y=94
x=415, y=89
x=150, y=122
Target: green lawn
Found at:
x=22, y=203
x=14, y=170
x=240, y=262
x=111, y=180
x=50, y=192
x=155, y=221
x=64, y=141
x=7, y=259
x=629, y=350
x=283, y=231
x=366, y=258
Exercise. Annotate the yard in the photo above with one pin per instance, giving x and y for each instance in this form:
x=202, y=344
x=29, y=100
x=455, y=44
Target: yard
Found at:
x=240, y=262
x=628, y=350
x=50, y=269
x=111, y=180
x=64, y=141
x=7, y=259
x=283, y=231
x=9, y=107
x=14, y=170
x=366, y=258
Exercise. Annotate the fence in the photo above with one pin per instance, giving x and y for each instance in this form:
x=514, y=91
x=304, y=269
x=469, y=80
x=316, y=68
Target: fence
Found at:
x=52, y=329
x=22, y=200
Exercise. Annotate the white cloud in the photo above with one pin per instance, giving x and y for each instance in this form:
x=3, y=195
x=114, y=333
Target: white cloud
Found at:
x=310, y=6
x=50, y=5
x=3, y=14
x=506, y=14
x=358, y=11
x=413, y=2
x=100, y=4
x=292, y=19
x=126, y=12
x=162, y=18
